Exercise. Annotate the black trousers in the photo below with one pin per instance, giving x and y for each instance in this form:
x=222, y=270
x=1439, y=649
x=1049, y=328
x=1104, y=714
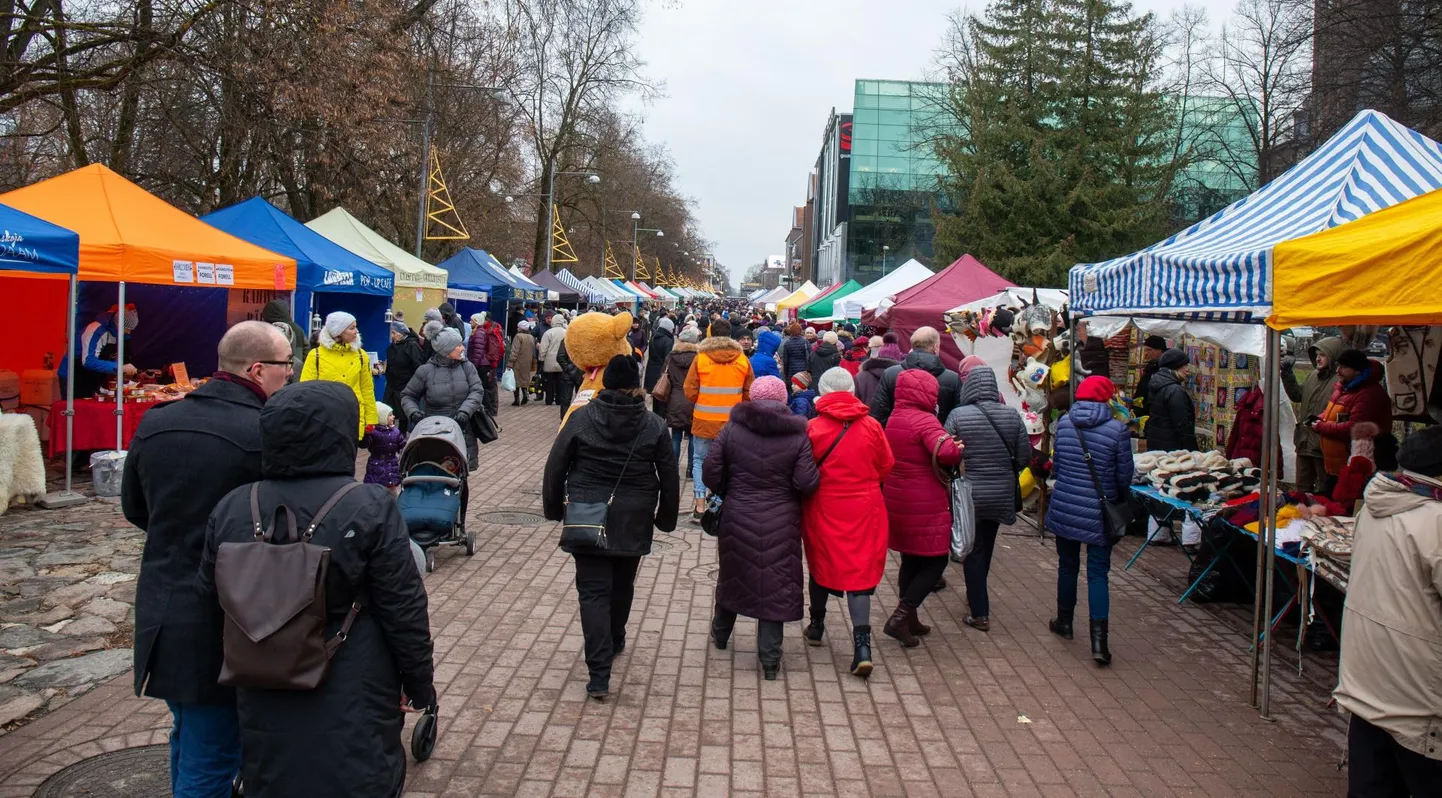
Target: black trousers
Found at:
x=768, y=634
x=551, y=386
x=605, y=587
x=1378, y=767
x=918, y=577
x=977, y=566
x=565, y=390
x=488, y=381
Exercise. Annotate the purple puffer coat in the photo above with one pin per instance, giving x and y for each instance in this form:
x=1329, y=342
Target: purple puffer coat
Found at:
x=762, y=466
x=384, y=467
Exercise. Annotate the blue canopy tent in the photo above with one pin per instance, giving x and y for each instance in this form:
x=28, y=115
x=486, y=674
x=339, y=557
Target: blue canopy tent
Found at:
x=39, y=263
x=328, y=277
x=474, y=271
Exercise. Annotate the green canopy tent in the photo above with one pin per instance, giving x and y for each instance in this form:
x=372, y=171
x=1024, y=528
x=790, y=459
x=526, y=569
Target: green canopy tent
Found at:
x=820, y=308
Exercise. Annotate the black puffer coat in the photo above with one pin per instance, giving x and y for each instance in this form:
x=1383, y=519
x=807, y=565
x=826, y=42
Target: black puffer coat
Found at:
x=678, y=407
x=661, y=344
x=948, y=393
x=795, y=352
x=214, y=431
x=586, y=463
x=446, y=387
x=1172, y=420
x=868, y=377
x=996, y=448
x=343, y=738
x=761, y=465
x=403, y=359
x=826, y=357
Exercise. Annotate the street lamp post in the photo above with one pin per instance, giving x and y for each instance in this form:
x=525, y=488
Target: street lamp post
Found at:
x=552, y=174
x=495, y=91
x=885, y=249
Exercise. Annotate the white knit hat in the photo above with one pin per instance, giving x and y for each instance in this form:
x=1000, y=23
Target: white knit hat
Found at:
x=836, y=380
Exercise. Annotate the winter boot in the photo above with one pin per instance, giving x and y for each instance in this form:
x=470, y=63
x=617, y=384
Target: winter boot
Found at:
x=815, y=630
x=1100, y=652
x=898, y=626
x=861, y=660
x=1061, y=625
x=769, y=670
x=917, y=627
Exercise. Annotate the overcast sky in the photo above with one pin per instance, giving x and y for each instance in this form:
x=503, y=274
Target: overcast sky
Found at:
x=750, y=84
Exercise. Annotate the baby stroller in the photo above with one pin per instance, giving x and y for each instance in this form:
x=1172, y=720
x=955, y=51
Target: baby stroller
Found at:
x=433, y=487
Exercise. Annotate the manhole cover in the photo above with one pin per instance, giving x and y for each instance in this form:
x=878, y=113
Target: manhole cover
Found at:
x=705, y=574
x=666, y=542
x=513, y=518
x=131, y=773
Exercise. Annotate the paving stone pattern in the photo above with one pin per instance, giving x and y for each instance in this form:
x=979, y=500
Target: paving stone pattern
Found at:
x=1011, y=713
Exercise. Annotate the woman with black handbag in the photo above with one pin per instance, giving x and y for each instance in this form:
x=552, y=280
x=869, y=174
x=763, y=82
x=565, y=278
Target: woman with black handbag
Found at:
x=1093, y=468
x=611, y=480
x=447, y=385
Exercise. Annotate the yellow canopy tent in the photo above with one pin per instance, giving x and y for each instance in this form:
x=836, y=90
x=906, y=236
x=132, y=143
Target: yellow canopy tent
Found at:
x=419, y=285
x=799, y=297
x=1379, y=269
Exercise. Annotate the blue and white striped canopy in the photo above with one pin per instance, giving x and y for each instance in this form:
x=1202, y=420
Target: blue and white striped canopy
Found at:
x=585, y=291
x=1220, y=268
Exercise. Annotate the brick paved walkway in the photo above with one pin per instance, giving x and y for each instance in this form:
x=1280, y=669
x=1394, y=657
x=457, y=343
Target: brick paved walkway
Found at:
x=1014, y=712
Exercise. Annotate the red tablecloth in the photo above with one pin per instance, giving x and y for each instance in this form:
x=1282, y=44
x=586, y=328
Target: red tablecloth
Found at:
x=94, y=424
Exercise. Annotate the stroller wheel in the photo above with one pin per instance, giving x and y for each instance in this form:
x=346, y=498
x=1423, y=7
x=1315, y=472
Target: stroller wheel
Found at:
x=470, y=541
x=237, y=787
x=430, y=559
x=423, y=738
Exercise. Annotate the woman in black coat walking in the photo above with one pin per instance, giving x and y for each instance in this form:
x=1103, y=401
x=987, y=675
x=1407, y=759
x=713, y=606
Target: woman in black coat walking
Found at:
x=795, y=352
x=761, y=466
x=661, y=344
x=612, y=450
x=403, y=358
x=344, y=737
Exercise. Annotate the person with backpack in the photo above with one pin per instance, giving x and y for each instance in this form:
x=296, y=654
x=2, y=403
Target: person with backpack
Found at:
x=321, y=707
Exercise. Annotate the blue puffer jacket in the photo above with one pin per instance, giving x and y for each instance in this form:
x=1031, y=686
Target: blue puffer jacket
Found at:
x=1074, y=511
x=794, y=354
x=763, y=363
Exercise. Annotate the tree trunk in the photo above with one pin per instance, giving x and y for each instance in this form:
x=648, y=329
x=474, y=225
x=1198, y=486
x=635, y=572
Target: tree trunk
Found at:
x=124, y=141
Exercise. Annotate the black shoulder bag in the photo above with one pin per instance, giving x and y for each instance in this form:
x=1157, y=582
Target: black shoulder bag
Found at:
x=584, y=526
x=1116, y=513
x=844, y=427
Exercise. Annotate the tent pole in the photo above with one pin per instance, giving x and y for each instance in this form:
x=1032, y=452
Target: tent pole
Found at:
x=1274, y=377
x=1259, y=613
x=120, y=371
x=70, y=381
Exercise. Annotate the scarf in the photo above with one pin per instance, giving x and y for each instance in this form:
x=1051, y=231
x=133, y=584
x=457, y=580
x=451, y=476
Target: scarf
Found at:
x=1418, y=487
x=236, y=379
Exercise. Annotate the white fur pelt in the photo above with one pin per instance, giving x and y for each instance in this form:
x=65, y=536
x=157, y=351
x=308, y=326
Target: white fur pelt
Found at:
x=22, y=468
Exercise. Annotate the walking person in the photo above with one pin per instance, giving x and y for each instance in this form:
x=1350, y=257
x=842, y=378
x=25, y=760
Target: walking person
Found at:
x=826, y=357
x=342, y=737
x=548, y=353
x=485, y=350
x=844, y=524
x=795, y=352
x=662, y=341
x=995, y=450
x=873, y=368
x=403, y=357
x=1074, y=512
x=763, y=361
x=718, y=380
x=918, y=500
x=612, y=450
x=762, y=467
x=680, y=410
x=341, y=358
x=447, y=386
x=521, y=360
x=925, y=354
x=184, y=458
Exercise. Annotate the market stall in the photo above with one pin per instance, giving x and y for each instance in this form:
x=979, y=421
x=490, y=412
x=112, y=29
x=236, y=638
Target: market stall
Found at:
x=787, y=305
x=819, y=309
x=136, y=249
x=870, y=297
x=564, y=294
x=419, y=285
x=587, y=294
x=925, y=303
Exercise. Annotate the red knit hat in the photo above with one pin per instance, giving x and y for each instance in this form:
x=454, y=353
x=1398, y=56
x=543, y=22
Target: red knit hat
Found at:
x=1096, y=389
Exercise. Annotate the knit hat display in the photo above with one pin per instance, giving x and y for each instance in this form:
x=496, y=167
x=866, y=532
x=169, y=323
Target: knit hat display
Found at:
x=1155, y=342
x=399, y=327
x=768, y=389
x=338, y=322
x=383, y=411
x=1173, y=359
x=836, y=380
x=1354, y=359
x=1421, y=453
x=621, y=374
x=1096, y=389
x=447, y=340
x=1003, y=320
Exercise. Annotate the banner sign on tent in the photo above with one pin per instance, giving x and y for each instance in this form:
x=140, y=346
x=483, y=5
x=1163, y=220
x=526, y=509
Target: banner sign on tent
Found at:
x=246, y=305
x=469, y=296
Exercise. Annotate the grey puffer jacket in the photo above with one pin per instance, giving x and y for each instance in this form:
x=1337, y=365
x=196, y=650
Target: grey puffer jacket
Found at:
x=443, y=387
x=996, y=446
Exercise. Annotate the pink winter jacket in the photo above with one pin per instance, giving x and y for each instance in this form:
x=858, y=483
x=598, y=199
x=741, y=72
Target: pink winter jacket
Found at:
x=917, y=502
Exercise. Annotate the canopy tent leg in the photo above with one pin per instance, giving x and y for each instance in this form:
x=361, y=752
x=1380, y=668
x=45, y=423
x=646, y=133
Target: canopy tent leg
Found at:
x=120, y=371
x=1270, y=480
x=1262, y=597
x=68, y=497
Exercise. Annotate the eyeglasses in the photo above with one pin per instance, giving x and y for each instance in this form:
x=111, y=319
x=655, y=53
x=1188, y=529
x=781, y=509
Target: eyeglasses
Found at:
x=286, y=363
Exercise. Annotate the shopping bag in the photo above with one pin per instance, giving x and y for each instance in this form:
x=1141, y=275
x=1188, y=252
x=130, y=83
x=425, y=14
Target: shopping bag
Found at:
x=963, y=519
x=508, y=381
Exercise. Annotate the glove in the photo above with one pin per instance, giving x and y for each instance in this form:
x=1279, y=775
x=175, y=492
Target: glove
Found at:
x=1289, y=363
x=463, y=418
x=416, y=419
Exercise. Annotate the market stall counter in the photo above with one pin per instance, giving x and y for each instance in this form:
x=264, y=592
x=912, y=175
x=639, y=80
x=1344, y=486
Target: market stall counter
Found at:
x=94, y=427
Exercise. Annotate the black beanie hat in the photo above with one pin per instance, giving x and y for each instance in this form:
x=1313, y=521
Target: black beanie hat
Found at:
x=1421, y=453
x=1173, y=359
x=621, y=374
x=1354, y=359
x=1155, y=342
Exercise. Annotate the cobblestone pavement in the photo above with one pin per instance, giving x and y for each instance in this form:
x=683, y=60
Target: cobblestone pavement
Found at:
x=1011, y=713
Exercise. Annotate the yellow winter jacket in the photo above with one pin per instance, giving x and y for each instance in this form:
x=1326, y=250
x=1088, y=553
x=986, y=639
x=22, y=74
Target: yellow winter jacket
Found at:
x=350, y=367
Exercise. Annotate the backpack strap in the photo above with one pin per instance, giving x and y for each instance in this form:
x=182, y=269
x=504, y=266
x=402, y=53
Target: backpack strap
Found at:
x=326, y=508
x=261, y=533
x=334, y=643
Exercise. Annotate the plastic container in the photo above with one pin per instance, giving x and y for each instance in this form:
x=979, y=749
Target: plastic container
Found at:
x=39, y=387
x=105, y=471
x=9, y=391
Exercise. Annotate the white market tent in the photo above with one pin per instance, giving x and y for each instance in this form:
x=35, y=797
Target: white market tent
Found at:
x=771, y=297
x=754, y=295
x=852, y=305
x=339, y=226
x=613, y=294
x=1015, y=297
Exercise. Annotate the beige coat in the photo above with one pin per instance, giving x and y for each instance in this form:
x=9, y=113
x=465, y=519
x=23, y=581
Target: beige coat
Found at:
x=1390, y=673
x=522, y=358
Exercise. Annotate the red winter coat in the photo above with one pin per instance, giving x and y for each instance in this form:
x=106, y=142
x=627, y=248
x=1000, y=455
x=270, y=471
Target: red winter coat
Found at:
x=918, y=504
x=1363, y=399
x=852, y=359
x=1245, y=439
x=843, y=524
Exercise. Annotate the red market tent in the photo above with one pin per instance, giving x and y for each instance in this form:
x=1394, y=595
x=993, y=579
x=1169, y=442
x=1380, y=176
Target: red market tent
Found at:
x=926, y=303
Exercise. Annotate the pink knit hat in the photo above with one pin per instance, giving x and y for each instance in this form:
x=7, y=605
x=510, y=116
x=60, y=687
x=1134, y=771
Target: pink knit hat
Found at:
x=768, y=389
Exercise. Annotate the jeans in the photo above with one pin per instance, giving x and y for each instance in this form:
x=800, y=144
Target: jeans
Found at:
x=918, y=576
x=1068, y=565
x=204, y=749
x=699, y=448
x=1379, y=767
x=605, y=587
x=977, y=566
x=676, y=436
x=1311, y=473
x=768, y=634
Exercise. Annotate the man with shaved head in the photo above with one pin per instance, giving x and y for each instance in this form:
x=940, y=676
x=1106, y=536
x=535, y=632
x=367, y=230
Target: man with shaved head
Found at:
x=184, y=458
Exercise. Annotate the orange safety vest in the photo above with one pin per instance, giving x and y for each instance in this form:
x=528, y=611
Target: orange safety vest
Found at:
x=721, y=385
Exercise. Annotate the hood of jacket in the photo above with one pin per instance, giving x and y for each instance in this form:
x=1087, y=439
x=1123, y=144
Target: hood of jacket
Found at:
x=683, y=346
x=916, y=390
x=721, y=350
x=967, y=365
x=309, y=430
x=767, y=343
x=1331, y=346
x=276, y=310
x=1162, y=378
x=1372, y=376
x=662, y=332
x=441, y=361
x=927, y=362
x=980, y=386
x=617, y=416
x=1088, y=415
x=768, y=418
x=842, y=406
x=1386, y=497
x=880, y=364
x=826, y=350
